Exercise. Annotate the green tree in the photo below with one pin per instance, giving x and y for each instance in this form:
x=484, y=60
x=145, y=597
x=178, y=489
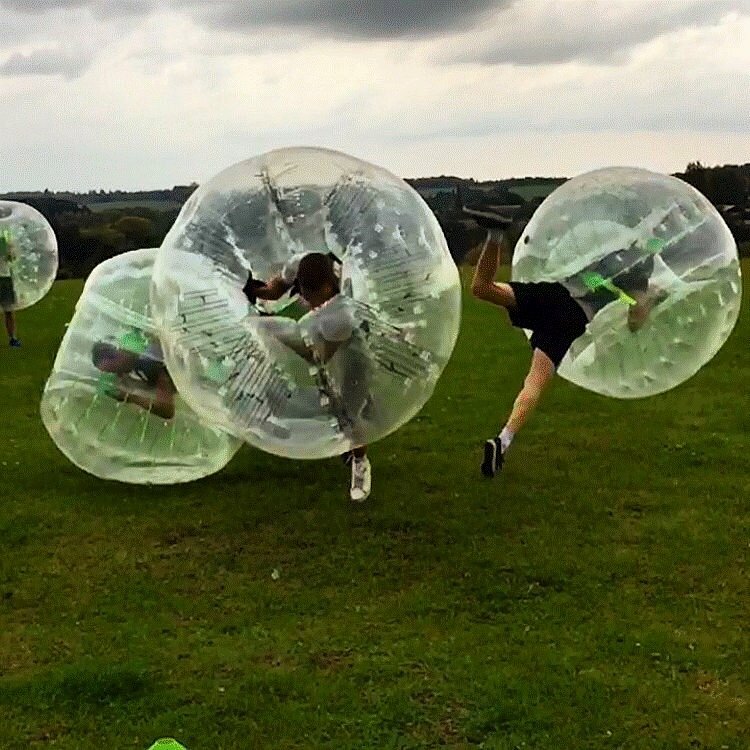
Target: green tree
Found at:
x=138, y=230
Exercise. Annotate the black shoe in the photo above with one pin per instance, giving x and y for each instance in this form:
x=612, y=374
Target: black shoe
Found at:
x=493, y=457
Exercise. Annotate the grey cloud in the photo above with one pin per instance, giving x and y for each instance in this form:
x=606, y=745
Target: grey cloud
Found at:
x=591, y=31
x=35, y=6
x=354, y=19
x=99, y=8
x=44, y=63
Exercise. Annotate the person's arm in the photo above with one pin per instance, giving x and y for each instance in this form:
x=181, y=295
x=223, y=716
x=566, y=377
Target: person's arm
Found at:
x=273, y=289
x=152, y=405
x=329, y=349
x=639, y=313
x=163, y=403
x=540, y=375
x=159, y=402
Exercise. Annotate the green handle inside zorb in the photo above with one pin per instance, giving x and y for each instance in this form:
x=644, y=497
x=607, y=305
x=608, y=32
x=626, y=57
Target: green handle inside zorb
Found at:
x=654, y=245
x=134, y=341
x=106, y=385
x=596, y=281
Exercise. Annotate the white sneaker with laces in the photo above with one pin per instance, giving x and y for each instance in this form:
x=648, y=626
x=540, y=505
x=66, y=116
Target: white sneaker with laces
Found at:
x=361, y=479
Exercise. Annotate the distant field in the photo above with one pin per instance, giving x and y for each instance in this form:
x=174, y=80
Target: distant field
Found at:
x=118, y=205
x=532, y=191
x=595, y=596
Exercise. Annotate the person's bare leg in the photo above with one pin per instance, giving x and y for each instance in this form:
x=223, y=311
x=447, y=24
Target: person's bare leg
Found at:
x=163, y=409
x=161, y=402
x=540, y=374
x=10, y=323
x=483, y=285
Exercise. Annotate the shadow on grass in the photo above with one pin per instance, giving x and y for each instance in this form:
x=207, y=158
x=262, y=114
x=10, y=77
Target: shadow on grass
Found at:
x=74, y=689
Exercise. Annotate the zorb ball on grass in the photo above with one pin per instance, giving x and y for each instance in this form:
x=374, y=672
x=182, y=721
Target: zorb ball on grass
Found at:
x=654, y=267
x=262, y=376
x=110, y=405
x=28, y=256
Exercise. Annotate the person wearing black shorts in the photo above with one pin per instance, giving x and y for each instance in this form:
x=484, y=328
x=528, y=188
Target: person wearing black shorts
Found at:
x=556, y=314
x=554, y=318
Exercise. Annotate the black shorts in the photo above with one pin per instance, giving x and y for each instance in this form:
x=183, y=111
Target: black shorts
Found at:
x=555, y=319
x=7, y=293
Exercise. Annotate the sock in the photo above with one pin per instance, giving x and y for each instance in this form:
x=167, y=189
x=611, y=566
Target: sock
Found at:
x=506, y=438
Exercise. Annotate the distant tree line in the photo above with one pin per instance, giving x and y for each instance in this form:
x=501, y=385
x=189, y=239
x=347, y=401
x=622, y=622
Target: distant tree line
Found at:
x=85, y=238
x=89, y=231
x=728, y=188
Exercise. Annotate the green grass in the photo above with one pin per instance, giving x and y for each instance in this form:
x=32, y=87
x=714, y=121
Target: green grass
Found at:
x=532, y=190
x=155, y=205
x=595, y=596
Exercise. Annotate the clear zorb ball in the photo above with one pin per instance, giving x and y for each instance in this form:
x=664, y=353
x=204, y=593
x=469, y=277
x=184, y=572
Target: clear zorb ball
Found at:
x=110, y=405
x=652, y=264
x=28, y=256
x=262, y=376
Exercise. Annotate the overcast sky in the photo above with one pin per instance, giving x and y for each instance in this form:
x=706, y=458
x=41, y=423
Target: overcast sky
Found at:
x=142, y=94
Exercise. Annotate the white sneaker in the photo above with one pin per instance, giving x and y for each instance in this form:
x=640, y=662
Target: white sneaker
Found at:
x=361, y=479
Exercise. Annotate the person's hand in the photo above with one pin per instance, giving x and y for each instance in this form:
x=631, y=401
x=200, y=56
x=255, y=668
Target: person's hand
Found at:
x=637, y=316
x=251, y=289
x=639, y=313
x=405, y=334
x=111, y=385
x=119, y=392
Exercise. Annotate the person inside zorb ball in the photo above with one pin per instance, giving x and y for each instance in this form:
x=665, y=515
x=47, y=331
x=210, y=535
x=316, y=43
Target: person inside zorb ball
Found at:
x=28, y=261
x=307, y=302
x=110, y=404
x=627, y=281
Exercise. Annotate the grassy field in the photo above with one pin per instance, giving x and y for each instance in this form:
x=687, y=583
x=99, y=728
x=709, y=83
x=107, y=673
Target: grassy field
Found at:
x=596, y=595
x=533, y=191
x=118, y=205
